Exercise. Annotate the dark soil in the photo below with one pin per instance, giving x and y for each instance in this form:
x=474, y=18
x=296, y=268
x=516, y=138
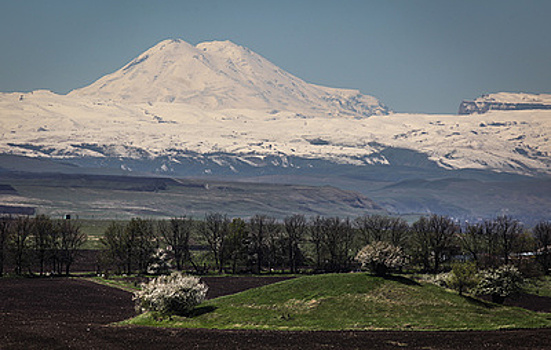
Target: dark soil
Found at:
x=526, y=301
x=57, y=313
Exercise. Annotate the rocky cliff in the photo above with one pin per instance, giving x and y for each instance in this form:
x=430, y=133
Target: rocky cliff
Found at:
x=505, y=102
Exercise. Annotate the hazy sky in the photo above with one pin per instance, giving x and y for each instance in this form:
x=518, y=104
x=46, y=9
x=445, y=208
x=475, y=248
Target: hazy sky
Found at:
x=415, y=55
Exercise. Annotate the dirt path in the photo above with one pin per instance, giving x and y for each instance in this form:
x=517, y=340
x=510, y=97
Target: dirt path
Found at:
x=74, y=314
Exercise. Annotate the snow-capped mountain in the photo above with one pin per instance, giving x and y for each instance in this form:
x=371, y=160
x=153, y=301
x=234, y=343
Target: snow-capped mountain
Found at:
x=220, y=104
x=222, y=75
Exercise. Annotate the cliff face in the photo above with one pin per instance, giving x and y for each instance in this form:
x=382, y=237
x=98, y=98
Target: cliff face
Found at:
x=470, y=107
x=505, y=102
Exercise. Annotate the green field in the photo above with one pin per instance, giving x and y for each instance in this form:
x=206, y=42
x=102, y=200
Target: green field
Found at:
x=94, y=230
x=350, y=302
x=539, y=286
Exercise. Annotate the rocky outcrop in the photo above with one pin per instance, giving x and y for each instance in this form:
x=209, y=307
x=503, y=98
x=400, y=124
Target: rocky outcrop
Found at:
x=505, y=102
x=470, y=107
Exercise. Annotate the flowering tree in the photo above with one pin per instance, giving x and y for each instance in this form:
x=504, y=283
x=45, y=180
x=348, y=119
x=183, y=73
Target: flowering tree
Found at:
x=173, y=294
x=380, y=256
x=501, y=283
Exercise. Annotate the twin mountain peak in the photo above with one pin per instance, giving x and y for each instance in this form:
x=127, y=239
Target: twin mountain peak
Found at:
x=222, y=75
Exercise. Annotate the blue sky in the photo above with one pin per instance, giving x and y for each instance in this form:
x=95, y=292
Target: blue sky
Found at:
x=415, y=55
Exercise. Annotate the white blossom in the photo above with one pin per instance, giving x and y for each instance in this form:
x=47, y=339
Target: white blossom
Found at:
x=173, y=294
x=380, y=256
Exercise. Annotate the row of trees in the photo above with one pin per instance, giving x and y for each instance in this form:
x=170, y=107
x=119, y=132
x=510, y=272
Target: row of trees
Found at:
x=49, y=246
x=262, y=243
x=324, y=243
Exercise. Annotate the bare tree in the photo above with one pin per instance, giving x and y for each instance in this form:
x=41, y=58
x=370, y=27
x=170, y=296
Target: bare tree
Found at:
x=19, y=243
x=257, y=240
x=542, y=234
x=317, y=237
x=444, y=232
x=398, y=232
x=473, y=241
x=114, y=243
x=508, y=231
x=420, y=242
x=71, y=238
x=275, y=247
x=236, y=247
x=373, y=228
x=43, y=228
x=433, y=238
x=273, y=240
x=141, y=242
x=176, y=233
x=6, y=224
x=338, y=237
x=215, y=230
x=332, y=239
x=492, y=242
x=295, y=230
x=130, y=247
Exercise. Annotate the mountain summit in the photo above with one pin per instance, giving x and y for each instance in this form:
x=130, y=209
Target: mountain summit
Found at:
x=222, y=75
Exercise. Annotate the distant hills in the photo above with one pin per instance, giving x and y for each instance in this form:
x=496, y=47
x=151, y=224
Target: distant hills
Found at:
x=94, y=196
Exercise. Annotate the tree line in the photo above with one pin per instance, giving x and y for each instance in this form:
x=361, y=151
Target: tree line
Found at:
x=262, y=243
x=323, y=244
x=39, y=244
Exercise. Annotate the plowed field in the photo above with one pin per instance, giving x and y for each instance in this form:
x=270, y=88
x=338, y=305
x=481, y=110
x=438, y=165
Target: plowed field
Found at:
x=62, y=313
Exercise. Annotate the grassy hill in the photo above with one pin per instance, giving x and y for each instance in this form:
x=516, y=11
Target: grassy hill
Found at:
x=354, y=302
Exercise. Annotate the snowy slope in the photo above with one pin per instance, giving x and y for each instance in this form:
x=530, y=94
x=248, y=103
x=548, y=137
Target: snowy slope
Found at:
x=220, y=75
x=49, y=125
x=178, y=100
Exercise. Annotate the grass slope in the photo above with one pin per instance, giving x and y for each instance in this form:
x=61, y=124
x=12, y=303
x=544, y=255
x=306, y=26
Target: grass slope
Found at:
x=350, y=301
x=539, y=286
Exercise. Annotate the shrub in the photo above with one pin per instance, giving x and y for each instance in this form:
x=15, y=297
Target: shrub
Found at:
x=463, y=277
x=173, y=294
x=501, y=283
x=380, y=256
